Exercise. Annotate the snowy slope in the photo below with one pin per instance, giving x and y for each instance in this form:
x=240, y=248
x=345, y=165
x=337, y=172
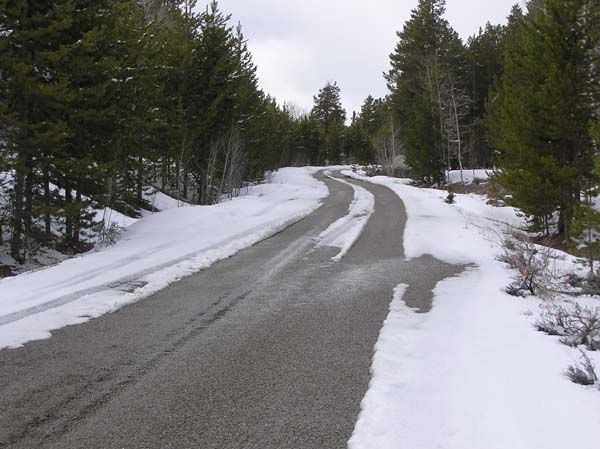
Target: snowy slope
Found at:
x=468, y=176
x=109, y=216
x=161, y=202
x=472, y=373
x=154, y=251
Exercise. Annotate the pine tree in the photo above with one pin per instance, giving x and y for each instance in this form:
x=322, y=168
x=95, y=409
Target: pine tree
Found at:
x=35, y=98
x=248, y=109
x=101, y=100
x=539, y=113
x=484, y=52
x=585, y=234
x=308, y=147
x=331, y=117
x=353, y=140
x=428, y=51
x=365, y=127
x=177, y=102
x=212, y=94
x=114, y=80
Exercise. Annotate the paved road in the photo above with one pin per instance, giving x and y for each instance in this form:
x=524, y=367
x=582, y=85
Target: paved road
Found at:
x=270, y=349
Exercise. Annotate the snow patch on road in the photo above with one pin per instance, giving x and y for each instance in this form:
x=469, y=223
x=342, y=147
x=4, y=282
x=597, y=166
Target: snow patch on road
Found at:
x=472, y=372
x=344, y=232
x=154, y=252
x=373, y=430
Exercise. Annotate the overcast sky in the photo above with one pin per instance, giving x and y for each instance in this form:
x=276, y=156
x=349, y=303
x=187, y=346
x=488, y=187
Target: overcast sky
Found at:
x=298, y=45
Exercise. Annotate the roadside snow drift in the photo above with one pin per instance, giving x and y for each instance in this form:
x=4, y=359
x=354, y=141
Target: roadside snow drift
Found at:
x=468, y=176
x=344, y=232
x=153, y=252
x=473, y=372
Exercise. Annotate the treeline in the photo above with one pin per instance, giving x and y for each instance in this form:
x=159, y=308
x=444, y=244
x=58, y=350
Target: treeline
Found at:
x=433, y=118
x=523, y=98
x=100, y=100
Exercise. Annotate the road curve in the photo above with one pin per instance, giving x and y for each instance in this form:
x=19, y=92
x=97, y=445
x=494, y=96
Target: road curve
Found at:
x=269, y=349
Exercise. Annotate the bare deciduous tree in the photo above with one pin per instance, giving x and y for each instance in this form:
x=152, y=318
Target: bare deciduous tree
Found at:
x=454, y=109
x=225, y=168
x=387, y=145
x=532, y=264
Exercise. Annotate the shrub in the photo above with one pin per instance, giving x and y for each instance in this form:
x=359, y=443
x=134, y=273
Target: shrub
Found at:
x=591, y=285
x=108, y=235
x=374, y=170
x=451, y=196
x=584, y=373
x=576, y=325
x=532, y=265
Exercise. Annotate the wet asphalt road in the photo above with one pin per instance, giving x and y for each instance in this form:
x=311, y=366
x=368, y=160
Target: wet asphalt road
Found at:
x=269, y=349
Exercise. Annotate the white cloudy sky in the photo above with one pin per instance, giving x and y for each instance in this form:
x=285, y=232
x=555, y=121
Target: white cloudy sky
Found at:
x=299, y=45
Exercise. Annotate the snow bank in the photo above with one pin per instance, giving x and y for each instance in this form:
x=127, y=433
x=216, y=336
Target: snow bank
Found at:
x=453, y=176
x=109, y=216
x=160, y=201
x=153, y=252
x=344, y=232
x=472, y=373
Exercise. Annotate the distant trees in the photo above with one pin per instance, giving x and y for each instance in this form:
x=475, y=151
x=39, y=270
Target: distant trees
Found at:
x=485, y=52
x=523, y=98
x=364, y=128
x=330, y=117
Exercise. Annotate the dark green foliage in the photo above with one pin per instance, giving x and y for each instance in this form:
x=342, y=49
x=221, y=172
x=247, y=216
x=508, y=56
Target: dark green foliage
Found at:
x=101, y=100
x=541, y=108
x=428, y=52
x=34, y=97
x=586, y=231
x=485, y=53
x=330, y=117
x=363, y=129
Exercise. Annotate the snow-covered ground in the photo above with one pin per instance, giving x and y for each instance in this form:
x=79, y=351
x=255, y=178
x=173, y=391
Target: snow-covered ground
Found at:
x=473, y=372
x=159, y=201
x=344, y=232
x=45, y=256
x=152, y=253
x=468, y=176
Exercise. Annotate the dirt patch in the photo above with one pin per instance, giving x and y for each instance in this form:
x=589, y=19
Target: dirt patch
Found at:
x=5, y=271
x=555, y=242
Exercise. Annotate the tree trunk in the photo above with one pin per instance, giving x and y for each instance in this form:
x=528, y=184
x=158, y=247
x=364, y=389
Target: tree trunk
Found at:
x=458, y=137
x=163, y=171
x=139, y=180
x=561, y=223
x=185, y=182
x=28, y=213
x=168, y=168
x=68, y=214
x=175, y=184
x=78, y=208
x=16, y=243
x=47, y=215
